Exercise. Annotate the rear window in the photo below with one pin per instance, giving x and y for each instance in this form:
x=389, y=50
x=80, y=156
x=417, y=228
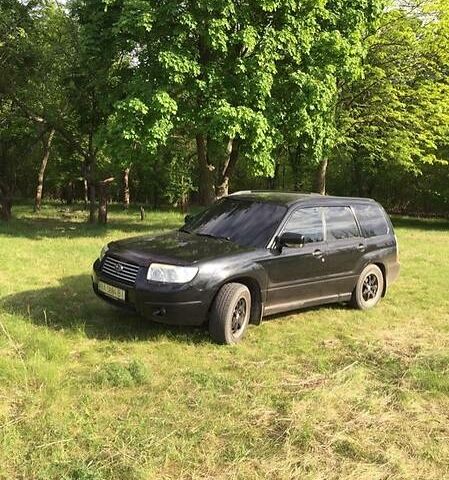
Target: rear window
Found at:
x=372, y=220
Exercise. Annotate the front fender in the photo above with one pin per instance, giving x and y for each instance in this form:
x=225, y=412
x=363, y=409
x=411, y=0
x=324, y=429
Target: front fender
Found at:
x=252, y=275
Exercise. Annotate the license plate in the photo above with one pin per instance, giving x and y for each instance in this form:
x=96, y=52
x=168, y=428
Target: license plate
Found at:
x=113, y=292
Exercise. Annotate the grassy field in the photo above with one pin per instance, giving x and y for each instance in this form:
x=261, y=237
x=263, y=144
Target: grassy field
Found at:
x=90, y=393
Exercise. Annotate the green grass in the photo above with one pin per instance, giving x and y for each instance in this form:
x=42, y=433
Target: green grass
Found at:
x=91, y=393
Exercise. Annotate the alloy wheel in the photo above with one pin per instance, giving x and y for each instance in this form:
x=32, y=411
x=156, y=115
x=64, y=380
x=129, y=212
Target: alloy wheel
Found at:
x=370, y=287
x=238, y=316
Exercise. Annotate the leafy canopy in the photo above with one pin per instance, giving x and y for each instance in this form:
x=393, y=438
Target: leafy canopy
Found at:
x=266, y=72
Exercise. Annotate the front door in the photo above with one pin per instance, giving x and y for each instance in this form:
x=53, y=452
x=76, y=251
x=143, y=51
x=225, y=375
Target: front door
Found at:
x=295, y=274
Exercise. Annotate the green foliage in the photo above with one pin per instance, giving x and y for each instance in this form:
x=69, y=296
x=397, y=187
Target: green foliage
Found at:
x=263, y=72
x=179, y=181
x=323, y=48
x=36, y=52
x=394, y=122
x=285, y=84
x=142, y=125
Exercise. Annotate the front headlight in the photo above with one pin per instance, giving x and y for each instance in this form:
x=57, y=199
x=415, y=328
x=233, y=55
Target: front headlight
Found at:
x=103, y=252
x=158, y=272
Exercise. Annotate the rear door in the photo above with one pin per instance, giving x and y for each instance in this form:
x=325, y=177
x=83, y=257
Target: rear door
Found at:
x=295, y=274
x=345, y=249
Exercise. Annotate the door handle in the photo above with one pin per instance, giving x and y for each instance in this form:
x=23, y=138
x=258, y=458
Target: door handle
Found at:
x=317, y=253
x=361, y=248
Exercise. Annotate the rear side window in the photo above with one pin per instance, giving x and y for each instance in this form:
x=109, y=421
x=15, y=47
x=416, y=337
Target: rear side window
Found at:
x=340, y=223
x=306, y=222
x=372, y=220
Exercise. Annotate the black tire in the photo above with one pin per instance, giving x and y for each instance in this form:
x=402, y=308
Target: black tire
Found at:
x=229, y=316
x=369, y=288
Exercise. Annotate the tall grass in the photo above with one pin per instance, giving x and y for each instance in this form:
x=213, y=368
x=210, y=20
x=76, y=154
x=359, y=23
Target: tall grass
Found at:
x=89, y=392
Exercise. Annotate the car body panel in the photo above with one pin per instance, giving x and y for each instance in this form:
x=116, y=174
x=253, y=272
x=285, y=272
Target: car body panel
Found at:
x=344, y=260
x=294, y=273
x=177, y=248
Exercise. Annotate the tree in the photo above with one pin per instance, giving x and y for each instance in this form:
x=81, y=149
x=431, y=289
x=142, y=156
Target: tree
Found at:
x=394, y=122
x=238, y=77
x=327, y=54
x=46, y=101
x=200, y=96
x=93, y=86
x=37, y=50
x=47, y=140
x=16, y=63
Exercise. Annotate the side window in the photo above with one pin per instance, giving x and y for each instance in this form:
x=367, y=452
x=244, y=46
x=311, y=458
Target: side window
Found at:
x=372, y=220
x=340, y=223
x=307, y=222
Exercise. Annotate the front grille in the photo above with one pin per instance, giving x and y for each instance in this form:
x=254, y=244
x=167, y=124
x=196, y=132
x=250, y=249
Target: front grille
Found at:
x=125, y=272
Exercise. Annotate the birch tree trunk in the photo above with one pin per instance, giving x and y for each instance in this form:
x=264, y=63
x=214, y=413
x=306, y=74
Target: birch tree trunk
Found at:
x=86, y=192
x=126, y=187
x=40, y=176
x=90, y=173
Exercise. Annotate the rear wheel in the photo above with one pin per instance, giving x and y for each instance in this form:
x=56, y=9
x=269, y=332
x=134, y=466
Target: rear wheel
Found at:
x=230, y=314
x=369, y=288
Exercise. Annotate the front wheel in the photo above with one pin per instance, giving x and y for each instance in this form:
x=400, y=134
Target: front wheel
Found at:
x=369, y=288
x=230, y=314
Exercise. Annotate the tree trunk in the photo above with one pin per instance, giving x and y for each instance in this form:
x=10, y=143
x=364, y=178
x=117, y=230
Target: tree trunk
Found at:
x=92, y=200
x=102, y=204
x=272, y=181
x=86, y=186
x=320, y=180
x=206, y=172
x=90, y=173
x=283, y=176
x=69, y=193
x=126, y=188
x=184, y=199
x=232, y=155
x=206, y=190
x=5, y=202
x=40, y=177
x=295, y=158
x=358, y=178
x=103, y=191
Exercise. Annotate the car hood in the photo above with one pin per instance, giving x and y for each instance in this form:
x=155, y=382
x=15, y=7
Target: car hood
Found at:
x=178, y=248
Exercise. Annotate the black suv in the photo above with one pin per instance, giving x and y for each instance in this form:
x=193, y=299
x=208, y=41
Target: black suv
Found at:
x=253, y=254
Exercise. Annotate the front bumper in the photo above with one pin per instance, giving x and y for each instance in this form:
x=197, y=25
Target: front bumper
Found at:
x=169, y=304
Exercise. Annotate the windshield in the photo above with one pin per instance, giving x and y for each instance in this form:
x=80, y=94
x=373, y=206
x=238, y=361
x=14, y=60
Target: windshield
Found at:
x=244, y=222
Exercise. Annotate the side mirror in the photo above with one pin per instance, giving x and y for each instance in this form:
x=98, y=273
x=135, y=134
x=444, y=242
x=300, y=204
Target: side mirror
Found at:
x=188, y=218
x=291, y=240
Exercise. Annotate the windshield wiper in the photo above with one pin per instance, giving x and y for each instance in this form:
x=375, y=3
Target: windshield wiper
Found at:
x=210, y=235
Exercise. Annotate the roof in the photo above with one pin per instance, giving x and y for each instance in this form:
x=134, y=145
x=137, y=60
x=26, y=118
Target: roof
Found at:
x=293, y=198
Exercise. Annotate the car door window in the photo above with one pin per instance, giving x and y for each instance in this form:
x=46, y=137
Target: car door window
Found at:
x=340, y=223
x=372, y=220
x=306, y=222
